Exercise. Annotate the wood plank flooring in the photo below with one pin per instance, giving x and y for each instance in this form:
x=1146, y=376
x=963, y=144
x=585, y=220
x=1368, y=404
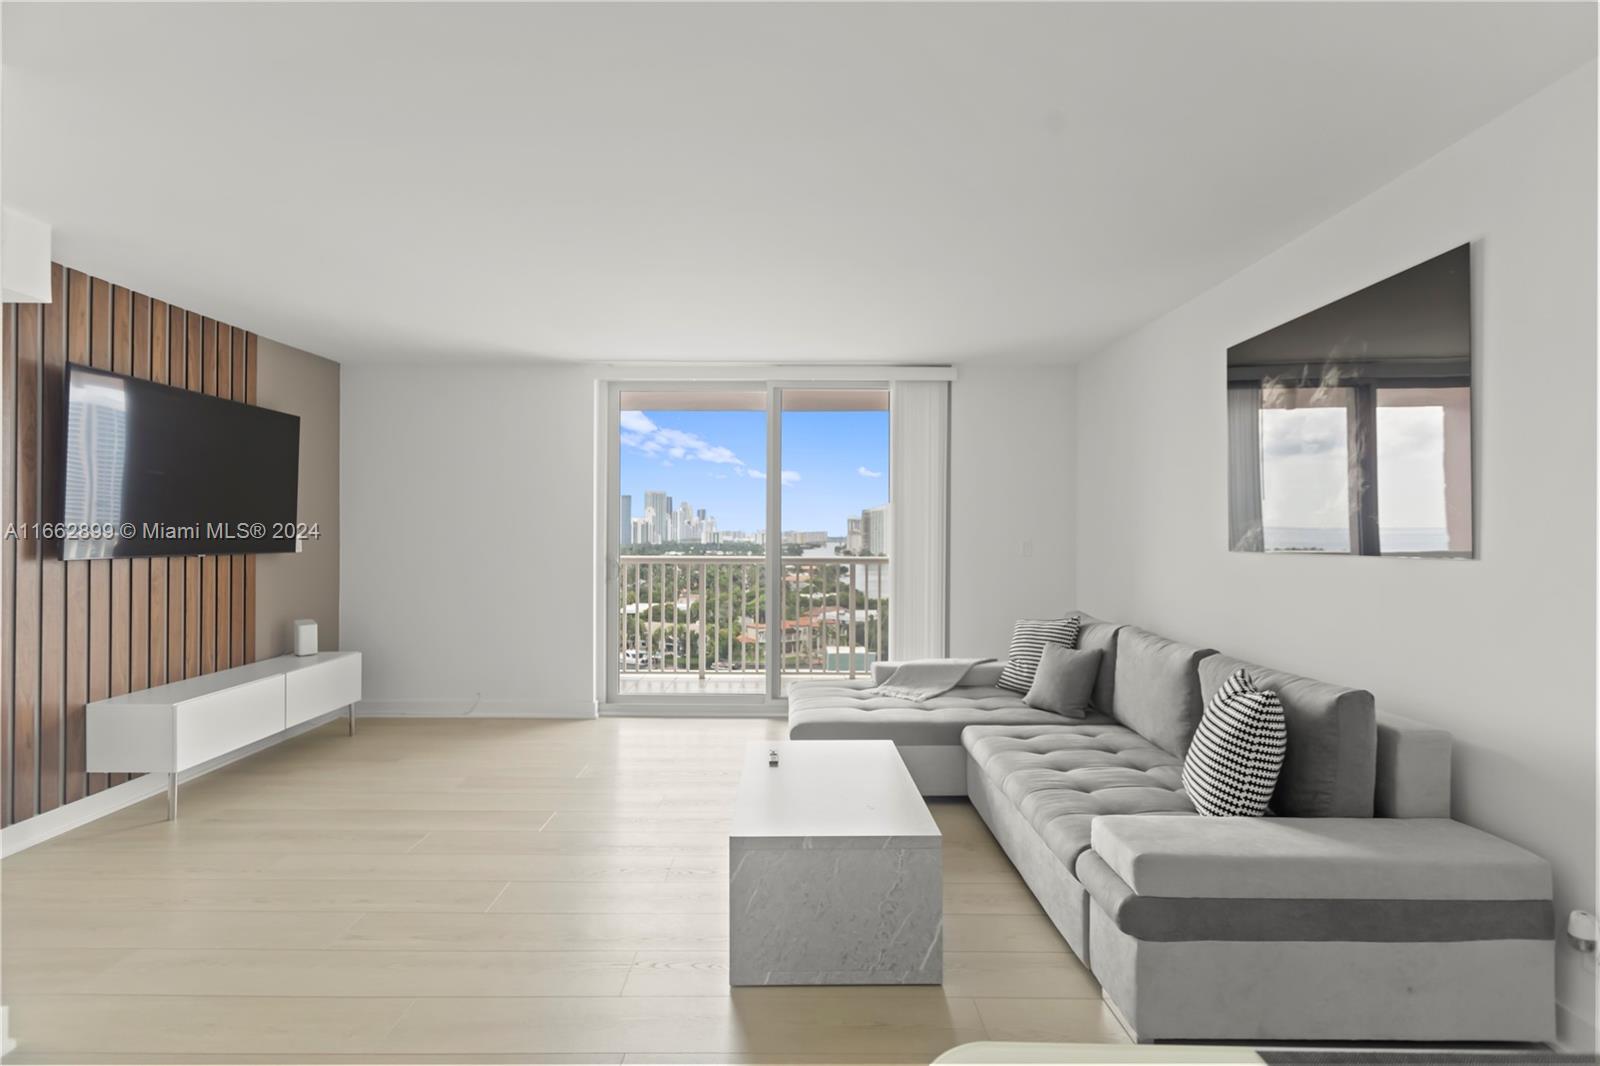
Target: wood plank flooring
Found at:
x=482, y=890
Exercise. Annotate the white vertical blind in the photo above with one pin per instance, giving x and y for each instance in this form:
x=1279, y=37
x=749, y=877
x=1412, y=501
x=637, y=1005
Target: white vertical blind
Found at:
x=919, y=518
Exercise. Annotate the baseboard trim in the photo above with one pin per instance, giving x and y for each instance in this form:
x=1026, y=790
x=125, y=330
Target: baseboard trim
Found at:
x=470, y=708
x=691, y=710
x=64, y=819
x=1575, y=1034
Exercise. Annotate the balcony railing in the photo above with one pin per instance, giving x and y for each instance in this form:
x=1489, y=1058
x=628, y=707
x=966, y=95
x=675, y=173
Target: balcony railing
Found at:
x=708, y=616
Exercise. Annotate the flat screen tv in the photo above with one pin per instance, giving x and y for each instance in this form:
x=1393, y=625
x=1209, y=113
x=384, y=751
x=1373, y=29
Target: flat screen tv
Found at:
x=148, y=469
x=1350, y=427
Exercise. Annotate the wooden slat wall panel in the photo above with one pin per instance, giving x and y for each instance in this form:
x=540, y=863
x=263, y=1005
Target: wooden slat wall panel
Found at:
x=208, y=563
x=159, y=582
x=139, y=576
x=236, y=597
x=121, y=582
x=177, y=374
x=99, y=569
x=224, y=562
x=53, y=572
x=8, y=491
x=250, y=560
x=24, y=774
x=191, y=563
x=83, y=630
x=78, y=607
x=139, y=635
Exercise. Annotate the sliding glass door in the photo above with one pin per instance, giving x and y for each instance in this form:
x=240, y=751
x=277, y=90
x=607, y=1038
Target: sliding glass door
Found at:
x=747, y=540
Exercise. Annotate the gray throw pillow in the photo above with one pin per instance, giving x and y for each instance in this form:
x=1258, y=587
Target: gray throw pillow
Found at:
x=1064, y=681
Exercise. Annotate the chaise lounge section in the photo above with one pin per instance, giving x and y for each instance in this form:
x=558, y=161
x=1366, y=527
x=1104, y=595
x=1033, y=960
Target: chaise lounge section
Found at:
x=928, y=734
x=1359, y=910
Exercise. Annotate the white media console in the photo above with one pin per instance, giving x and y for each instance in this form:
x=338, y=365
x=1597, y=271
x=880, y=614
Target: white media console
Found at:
x=176, y=727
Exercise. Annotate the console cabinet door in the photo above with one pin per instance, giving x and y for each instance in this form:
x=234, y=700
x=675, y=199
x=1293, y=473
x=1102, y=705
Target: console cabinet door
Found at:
x=320, y=689
x=215, y=724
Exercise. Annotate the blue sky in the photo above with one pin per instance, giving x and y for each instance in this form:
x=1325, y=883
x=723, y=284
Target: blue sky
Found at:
x=835, y=463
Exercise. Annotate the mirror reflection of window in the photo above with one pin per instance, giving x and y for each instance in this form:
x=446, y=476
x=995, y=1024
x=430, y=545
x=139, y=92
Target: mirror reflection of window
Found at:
x=1305, y=478
x=1424, y=471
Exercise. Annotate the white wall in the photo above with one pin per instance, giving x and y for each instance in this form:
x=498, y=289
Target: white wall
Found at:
x=467, y=528
x=1012, y=515
x=1500, y=650
x=468, y=537
x=306, y=583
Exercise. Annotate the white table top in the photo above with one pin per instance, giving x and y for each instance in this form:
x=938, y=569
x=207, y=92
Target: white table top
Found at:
x=829, y=788
x=207, y=684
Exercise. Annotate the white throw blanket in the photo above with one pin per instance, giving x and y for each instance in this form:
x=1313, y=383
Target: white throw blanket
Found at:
x=923, y=679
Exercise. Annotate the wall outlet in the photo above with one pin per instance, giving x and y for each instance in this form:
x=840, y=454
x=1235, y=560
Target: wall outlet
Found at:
x=1583, y=931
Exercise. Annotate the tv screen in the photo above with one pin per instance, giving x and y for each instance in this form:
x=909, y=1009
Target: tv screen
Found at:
x=153, y=470
x=1350, y=427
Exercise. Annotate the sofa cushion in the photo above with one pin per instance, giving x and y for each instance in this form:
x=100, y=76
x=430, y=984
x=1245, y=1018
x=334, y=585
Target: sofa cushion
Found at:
x=1062, y=777
x=1413, y=769
x=1157, y=688
x=1064, y=681
x=1331, y=764
x=1095, y=635
x=851, y=710
x=1318, y=858
x=1029, y=638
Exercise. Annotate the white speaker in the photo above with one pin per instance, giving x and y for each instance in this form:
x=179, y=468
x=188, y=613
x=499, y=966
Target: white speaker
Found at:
x=305, y=636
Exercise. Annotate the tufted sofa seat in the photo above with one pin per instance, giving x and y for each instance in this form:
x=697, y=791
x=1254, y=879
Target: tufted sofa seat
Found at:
x=1040, y=788
x=853, y=710
x=927, y=734
x=1060, y=777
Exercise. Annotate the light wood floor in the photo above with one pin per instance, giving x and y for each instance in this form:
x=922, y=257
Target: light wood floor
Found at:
x=482, y=890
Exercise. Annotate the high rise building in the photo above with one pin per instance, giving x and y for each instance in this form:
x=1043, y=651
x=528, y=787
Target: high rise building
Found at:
x=875, y=530
x=659, y=506
x=625, y=514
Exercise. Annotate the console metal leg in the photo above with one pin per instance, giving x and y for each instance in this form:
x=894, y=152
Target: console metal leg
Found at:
x=172, y=797
x=352, y=719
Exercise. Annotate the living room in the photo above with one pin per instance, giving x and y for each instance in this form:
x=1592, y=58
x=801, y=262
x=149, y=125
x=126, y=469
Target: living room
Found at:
x=798, y=532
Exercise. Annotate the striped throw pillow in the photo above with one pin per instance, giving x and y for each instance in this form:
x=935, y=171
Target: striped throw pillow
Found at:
x=1237, y=751
x=1028, y=638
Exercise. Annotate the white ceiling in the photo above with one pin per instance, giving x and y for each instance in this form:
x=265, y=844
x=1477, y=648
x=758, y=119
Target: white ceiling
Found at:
x=827, y=183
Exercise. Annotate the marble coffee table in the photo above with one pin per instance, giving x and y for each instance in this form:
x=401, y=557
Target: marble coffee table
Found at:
x=834, y=869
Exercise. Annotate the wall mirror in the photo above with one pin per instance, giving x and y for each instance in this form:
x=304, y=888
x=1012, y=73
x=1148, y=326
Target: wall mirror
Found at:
x=1350, y=427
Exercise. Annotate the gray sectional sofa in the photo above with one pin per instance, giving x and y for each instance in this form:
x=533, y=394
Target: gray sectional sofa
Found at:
x=1358, y=911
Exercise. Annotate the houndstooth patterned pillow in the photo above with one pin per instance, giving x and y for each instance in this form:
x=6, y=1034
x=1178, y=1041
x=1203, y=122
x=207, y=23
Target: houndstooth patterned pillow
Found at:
x=1237, y=752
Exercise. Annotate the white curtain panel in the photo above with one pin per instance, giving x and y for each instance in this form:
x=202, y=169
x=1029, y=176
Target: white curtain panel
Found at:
x=919, y=519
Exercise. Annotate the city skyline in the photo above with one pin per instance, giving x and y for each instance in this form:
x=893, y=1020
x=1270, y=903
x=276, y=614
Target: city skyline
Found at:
x=666, y=520
x=835, y=465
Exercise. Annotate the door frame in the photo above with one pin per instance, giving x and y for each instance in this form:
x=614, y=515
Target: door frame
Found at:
x=608, y=481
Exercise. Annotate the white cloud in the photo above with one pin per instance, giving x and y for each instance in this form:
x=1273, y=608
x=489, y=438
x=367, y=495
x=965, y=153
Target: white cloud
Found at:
x=639, y=432
x=789, y=476
x=636, y=422
x=864, y=472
